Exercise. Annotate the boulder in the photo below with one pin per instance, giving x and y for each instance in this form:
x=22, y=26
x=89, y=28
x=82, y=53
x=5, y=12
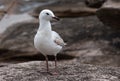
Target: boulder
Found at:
x=36, y=71
x=88, y=41
x=109, y=13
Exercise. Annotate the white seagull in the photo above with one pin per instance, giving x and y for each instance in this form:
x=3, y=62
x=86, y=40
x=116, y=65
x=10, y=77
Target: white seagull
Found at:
x=46, y=41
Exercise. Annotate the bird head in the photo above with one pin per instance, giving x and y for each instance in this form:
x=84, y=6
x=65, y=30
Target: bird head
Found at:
x=47, y=15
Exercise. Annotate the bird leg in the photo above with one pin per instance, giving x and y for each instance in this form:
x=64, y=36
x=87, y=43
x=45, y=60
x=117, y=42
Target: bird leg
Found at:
x=55, y=62
x=55, y=73
x=47, y=63
x=55, y=65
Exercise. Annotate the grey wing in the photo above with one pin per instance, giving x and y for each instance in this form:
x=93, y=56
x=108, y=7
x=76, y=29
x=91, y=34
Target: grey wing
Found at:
x=57, y=39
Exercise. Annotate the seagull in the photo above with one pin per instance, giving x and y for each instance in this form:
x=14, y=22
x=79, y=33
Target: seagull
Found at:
x=47, y=41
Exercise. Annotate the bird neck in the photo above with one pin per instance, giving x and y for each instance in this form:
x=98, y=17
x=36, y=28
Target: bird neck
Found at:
x=44, y=25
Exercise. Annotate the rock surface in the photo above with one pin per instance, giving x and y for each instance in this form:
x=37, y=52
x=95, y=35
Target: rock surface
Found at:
x=109, y=13
x=35, y=71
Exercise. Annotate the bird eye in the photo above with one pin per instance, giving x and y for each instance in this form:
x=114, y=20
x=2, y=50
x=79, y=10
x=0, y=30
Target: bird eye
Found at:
x=47, y=13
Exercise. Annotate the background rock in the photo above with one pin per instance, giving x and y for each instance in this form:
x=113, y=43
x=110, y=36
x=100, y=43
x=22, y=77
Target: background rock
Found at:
x=35, y=71
x=94, y=3
x=109, y=13
x=22, y=6
x=66, y=8
x=87, y=40
x=13, y=20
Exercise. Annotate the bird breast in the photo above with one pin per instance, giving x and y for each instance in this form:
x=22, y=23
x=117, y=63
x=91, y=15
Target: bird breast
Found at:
x=46, y=45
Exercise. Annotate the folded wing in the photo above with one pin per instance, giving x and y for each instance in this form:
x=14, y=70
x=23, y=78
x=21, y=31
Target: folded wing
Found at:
x=57, y=39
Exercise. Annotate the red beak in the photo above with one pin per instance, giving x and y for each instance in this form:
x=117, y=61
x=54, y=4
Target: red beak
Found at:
x=56, y=18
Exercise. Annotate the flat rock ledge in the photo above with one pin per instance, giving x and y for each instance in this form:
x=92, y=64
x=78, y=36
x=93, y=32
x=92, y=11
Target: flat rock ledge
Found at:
x=35, y=71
